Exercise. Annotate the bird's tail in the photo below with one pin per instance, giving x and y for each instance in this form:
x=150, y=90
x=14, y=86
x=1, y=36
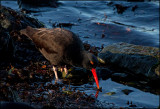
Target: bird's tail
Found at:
x=29, y=31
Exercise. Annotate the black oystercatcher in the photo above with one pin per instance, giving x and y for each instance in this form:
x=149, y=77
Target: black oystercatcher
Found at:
x=62, y=47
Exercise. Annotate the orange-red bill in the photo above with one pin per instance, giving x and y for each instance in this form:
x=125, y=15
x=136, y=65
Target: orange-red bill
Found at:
x=95, y=76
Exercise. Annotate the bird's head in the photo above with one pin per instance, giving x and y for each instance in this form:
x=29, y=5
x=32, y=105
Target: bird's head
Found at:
x=90, y=61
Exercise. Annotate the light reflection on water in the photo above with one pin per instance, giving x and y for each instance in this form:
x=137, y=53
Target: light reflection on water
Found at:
x=144, y=20
x=90, y=14
x=138, y=97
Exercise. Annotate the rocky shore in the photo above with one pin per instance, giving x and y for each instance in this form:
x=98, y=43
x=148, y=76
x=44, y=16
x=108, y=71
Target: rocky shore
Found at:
x=20, y=61
x=135, y=59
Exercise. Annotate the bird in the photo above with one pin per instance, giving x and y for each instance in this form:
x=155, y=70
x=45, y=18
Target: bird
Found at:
x=61, y=48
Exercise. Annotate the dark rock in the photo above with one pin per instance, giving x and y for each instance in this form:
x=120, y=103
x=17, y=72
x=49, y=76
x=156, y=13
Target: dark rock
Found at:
x=120, y=77
x=110, y=3
x=62, y=25
x=127, y=91
x=7, y=47
x=49, y=107
x=111, y=93
x=3, y=74
x=120, y=8
x=132, y=105
x=135, y=0
x=14, y=105
x=134, y=8
x=134, y=59
x=12, y=20
x=77, y=73
x=12, y=44
x=79, y=76
x=104, y=73
x=103, y=35
x=26, y=3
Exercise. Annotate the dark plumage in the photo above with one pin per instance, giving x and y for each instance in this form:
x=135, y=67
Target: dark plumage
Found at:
x=61, y=47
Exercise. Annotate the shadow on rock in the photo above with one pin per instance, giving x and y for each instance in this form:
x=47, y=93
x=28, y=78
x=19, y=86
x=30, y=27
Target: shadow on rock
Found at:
x=16, y=49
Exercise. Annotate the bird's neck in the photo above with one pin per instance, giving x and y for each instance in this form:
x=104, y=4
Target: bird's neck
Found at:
x=85, y=59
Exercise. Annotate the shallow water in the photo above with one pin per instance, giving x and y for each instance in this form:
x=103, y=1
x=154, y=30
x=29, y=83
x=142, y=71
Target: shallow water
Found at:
x=138, y=97
x=139, y=27
x=119, y=99
x=94, y=18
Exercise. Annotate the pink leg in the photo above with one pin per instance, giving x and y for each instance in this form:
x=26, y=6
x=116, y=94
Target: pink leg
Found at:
x=65, y=70
x=55, y=72
x=61, y=69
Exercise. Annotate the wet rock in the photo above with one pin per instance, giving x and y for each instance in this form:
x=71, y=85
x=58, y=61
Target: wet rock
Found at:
x=13, y=46
x=157, y=69
x=111, y=93
x=132, y=105
x=120, y=8
x=135, y=0
x=69, y=25
x=7, y=47
x=5, y=23
x=134, y=8
x=49, y=107
x=127, y=91
x=3, y=74
x=134, y=59
x=26, y=3
x=120, y=77
x=12, y=20
x=43, y=93
x=104, y=73
x=14, y=105
x=110, y=3
x=83, y=74
x=77, y=73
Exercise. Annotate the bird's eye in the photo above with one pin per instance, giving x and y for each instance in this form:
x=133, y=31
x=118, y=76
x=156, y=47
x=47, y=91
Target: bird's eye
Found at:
x=92, y=62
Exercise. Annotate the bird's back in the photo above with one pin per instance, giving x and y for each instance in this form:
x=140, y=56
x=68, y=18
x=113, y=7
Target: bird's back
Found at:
x=58, y=45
